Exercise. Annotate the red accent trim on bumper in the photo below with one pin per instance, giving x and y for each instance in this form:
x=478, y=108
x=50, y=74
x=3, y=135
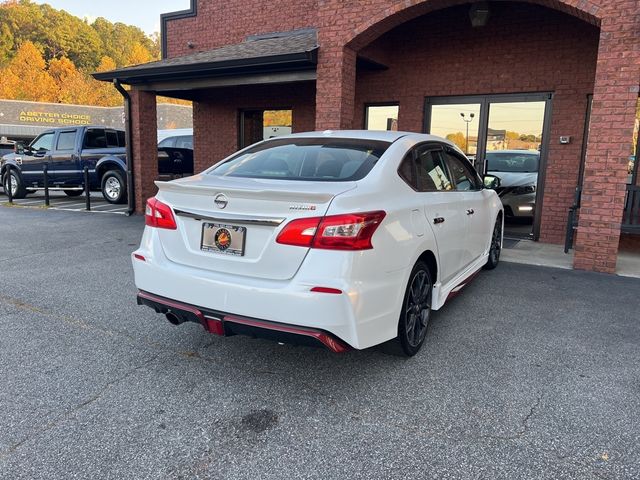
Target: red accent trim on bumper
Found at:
x=327, y=340
x=216, y=326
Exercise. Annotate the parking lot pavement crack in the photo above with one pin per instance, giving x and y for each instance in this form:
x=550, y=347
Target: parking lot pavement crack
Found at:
x=524, y=424
x=70, y=412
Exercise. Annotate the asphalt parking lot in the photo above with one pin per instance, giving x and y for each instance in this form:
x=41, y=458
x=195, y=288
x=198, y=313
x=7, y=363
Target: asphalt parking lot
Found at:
x=530, y=373
x=60, y=201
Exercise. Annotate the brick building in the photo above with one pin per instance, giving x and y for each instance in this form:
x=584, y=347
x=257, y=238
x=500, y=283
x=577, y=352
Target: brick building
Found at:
x=557, y=76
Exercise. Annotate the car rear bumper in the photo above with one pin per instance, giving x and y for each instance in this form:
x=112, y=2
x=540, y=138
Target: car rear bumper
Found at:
x=362, y=312
x=225, y=324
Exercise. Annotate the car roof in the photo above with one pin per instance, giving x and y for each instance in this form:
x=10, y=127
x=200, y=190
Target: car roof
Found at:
x=381, y=135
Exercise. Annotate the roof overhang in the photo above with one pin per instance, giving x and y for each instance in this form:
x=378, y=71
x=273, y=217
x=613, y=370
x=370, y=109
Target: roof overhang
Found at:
x=269, y=58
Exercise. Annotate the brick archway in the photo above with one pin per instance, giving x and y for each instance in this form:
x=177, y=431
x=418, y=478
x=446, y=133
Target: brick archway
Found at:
x=400, y=12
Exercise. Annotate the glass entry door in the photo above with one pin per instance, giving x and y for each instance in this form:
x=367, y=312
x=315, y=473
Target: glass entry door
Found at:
x=502, y=135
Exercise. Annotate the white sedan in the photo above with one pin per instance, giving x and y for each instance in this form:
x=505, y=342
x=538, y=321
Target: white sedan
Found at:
x=346, y=239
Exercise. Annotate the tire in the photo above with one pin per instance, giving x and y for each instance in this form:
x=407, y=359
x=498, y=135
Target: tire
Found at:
x=113, y=186
x=74, y=193
x=18, y=190
x=496, y=246
x=415, y=314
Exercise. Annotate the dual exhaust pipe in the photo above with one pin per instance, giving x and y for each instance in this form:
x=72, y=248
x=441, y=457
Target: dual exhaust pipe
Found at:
x=174, y=318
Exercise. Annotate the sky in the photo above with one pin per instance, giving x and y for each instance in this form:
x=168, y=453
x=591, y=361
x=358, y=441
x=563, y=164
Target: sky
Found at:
x=141, y=13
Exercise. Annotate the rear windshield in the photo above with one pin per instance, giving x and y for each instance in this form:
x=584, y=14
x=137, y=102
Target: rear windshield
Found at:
x=512, y=162
x=316, y=159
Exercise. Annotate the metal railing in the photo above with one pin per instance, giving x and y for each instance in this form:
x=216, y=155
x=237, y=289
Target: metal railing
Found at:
x=86, y=188
x=631, y=215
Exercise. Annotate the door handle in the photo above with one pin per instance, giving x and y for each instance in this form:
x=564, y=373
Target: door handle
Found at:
x=470, y=211
x=438, y=220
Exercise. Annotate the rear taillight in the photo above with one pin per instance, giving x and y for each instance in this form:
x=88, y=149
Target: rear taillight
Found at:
x=159, y=215
x=352, y=231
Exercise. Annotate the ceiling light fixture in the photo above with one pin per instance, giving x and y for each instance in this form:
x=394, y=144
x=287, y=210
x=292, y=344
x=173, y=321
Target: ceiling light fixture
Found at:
x=479, y=14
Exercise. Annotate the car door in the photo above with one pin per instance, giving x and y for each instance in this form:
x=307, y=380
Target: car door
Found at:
x=476, y=207
x=64, y=165
x=34, y=157
x=442, y=207
x=94, y=147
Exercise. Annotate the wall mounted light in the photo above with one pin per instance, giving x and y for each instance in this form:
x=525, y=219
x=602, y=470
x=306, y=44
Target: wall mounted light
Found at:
x=479, y=14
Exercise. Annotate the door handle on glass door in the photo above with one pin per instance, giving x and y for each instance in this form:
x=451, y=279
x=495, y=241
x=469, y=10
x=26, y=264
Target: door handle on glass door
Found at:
x=470, y=211
x=438, y=220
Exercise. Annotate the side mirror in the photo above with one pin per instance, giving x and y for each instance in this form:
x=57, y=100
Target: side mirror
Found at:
x=491, y=181
x=40, y=152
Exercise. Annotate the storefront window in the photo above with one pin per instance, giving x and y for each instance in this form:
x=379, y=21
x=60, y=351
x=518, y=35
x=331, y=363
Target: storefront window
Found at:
x=258, y=125
x=382, y=117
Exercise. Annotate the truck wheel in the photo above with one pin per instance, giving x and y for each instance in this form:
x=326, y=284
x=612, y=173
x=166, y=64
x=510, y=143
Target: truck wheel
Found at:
x=74, y=193
x=18, y=189
x=114, y=188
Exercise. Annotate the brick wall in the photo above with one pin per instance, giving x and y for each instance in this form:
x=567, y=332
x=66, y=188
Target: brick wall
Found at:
x=145, y=146
x=216, y=116
x=226, y=22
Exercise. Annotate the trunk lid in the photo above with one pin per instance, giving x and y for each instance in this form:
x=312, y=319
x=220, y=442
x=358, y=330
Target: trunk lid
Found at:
x=260, y=207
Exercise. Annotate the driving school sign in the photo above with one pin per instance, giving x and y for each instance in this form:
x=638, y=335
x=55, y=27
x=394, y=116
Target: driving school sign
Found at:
x=53, y=118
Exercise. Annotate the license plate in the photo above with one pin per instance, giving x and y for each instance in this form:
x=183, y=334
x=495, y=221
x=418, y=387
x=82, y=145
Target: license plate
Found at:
x=221, y=238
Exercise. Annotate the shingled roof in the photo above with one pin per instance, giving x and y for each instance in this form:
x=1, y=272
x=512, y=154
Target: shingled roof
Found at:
x=281, y=51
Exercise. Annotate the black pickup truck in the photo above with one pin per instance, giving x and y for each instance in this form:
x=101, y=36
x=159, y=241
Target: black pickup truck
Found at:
x=67, y=151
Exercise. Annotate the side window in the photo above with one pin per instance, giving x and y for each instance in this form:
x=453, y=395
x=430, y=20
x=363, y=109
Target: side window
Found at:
x=167, y=142
x=112, y=139
x=464, y=177
x=43, y=142
x=66, y=140
x=122, y=142
x=431, y=171
x=407, y=171
x=185, y=142
x=95, y=138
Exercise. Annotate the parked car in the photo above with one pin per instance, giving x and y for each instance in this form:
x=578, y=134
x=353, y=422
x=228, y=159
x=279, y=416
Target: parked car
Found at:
x=518, y=172
x=342, y=239
x=6, y=146
x=66, y=152
x=175, y=155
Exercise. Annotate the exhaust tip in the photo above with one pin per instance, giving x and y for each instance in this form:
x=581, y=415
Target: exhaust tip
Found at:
x=173, y=318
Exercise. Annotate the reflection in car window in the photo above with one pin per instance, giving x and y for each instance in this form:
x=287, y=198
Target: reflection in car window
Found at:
x=43, y=142
x=523, y=162
x=121, y=138
x=66, y=140
x=432, y=174
x=462, y=175
x=318, y=159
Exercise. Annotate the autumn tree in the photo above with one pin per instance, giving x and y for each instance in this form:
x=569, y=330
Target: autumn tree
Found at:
x=48, y=55
x=459, y=139
x=26, y=77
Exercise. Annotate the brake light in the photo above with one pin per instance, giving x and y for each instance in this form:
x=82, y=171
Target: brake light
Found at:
x=159, y=215
x=351, y=231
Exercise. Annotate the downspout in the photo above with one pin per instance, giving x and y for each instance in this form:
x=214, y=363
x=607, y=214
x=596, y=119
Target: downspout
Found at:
x=131, y=198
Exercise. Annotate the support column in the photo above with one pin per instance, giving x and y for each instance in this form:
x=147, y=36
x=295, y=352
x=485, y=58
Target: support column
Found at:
x=610, y=140
x=145, y=146
x=335, y=88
